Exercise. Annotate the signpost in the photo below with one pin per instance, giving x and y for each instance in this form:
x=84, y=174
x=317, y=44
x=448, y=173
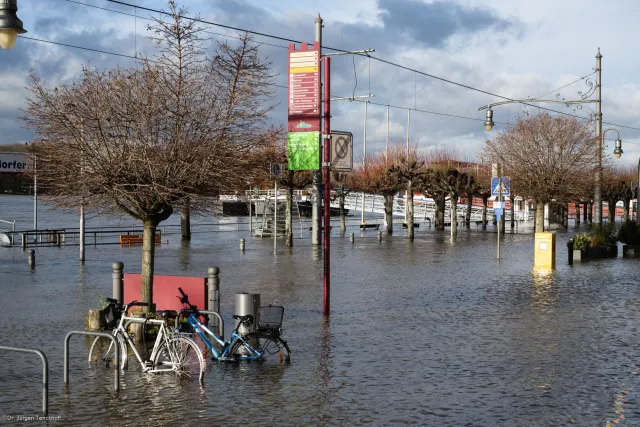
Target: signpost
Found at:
x=341, y=151
x=500, y=187
x=276, y=173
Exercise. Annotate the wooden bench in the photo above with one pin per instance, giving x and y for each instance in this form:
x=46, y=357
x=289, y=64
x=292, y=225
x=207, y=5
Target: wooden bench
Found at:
x=132, y=239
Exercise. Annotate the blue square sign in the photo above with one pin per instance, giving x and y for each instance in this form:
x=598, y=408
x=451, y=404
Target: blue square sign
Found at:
x=501, y=186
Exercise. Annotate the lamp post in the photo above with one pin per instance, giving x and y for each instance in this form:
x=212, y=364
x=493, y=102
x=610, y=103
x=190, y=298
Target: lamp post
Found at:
x=597, y=197
x=10, y=25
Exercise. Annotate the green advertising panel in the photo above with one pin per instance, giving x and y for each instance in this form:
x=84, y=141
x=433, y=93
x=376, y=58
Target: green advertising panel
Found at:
x=304, y=151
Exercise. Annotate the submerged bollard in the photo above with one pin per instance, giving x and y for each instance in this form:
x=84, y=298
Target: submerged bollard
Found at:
x=31, y=258
x=213, y=285
x=379, y=236
x=118, y=281
x=352, y=237
x=241, y=245
x=570, y=251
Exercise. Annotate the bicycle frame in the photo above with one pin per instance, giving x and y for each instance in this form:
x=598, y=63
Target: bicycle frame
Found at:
x=201, y=329
x=162, y=336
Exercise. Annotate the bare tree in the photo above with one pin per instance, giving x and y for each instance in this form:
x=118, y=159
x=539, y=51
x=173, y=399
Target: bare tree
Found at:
x=125, y=138
x=550, y=156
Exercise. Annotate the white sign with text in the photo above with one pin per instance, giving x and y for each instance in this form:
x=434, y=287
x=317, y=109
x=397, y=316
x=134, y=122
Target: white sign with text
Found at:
x=13, y=162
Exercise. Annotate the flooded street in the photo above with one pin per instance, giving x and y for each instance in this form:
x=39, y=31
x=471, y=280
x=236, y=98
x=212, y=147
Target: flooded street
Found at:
x=424, y=333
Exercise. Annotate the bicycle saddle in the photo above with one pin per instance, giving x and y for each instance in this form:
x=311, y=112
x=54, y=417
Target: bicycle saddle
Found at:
x=167, y=314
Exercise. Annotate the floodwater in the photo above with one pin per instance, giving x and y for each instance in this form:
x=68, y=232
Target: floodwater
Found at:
x=423, y=333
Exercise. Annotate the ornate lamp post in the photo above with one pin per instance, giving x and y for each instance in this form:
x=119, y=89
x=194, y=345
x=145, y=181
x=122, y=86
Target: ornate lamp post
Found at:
x=10, y=25
x=597, y=116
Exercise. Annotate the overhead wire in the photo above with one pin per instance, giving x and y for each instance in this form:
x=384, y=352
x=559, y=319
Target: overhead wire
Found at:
x=326, y=47
x=111, y=53
x=375, y=58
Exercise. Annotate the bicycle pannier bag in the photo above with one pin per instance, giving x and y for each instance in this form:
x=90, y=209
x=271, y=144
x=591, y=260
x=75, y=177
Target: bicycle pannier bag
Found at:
x=111, y=316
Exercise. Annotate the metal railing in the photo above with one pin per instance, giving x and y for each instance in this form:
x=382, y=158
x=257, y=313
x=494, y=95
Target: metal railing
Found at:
x=45, y=373
x=116, y=374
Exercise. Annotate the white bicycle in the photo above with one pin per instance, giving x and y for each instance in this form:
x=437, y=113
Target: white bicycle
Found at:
x=173, y=352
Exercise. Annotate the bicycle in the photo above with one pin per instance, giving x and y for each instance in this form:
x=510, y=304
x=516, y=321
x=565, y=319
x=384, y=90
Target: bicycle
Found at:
x=172, y=351
x=264, y=346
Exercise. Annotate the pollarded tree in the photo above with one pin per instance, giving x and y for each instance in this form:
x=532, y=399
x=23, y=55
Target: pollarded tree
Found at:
x=119, y=140
x=549, y=156
x=410, y=169
x=453, y=183
x=292, y=180
x=376, y=178
x=341, y=189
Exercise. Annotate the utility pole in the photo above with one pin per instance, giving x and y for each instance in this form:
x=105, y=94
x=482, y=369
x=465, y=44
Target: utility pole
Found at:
x=364, y=155
x=597, y=197
x=326, y=165
x=316, y=221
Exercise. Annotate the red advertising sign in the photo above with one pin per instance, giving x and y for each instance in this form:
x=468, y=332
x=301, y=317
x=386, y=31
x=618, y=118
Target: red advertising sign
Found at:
x=304, y=88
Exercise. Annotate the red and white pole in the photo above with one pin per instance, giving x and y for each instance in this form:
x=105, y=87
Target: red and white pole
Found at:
x=326, y=172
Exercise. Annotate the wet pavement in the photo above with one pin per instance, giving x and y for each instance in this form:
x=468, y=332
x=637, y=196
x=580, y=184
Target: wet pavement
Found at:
x=423, y=333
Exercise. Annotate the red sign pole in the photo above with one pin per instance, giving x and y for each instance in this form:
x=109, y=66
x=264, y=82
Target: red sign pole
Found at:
x=327, y=184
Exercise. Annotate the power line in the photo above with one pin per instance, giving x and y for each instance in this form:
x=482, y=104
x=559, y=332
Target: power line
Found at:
x=150, y=19
x=112, y=53
x=373, y=57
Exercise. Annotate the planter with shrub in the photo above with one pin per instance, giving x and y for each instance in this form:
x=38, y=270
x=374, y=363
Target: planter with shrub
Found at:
x=629, y=235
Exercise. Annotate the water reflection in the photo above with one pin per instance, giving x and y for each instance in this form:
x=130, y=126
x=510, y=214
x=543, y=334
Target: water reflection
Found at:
x=184, y=255
x=545, y=293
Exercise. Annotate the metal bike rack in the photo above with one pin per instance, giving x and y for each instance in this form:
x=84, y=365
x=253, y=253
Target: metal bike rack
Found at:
x=215, y=313
x=116, y=385
x=45, y=374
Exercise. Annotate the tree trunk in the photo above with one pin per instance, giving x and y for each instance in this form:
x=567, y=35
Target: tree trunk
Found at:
x=627, y=204
x=485, y=202
x=343, y=222
x=539, y=217
x=512, y=201
x=585, y=216
x=611, y=211
x=454, y=217
x=577, y=212
x=185, y=222
x=534, y=209
x=590, y=212
x=467, y=218
x=410, y=230
x=565, y=217
x=440, y=207
x=148, y=261
x=388, y=212
x=288, y=240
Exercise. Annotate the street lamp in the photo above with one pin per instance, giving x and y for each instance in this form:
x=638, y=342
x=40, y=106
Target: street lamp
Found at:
x=10, y=25
x=597, y=198
x=488, y=124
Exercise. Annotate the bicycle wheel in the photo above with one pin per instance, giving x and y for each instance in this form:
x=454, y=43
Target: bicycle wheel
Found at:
x=272, y=350
x=102, y=352
x=182, y=356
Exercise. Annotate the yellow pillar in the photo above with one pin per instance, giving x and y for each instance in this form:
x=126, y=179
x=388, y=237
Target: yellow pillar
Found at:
x=545, y=251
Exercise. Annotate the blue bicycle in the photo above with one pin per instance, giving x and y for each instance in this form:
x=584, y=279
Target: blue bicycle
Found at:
x=265, y=345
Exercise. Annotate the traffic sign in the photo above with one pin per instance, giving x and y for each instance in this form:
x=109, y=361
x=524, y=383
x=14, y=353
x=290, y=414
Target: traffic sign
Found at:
x=501, y=186
x=276, y=170
x=498, y=212
x=341, y=151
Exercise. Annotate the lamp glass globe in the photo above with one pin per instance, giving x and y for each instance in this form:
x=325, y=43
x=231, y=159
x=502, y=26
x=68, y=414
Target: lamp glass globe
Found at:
x=8, y=38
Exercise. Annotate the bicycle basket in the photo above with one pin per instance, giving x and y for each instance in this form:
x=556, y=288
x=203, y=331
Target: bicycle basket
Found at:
x=270, y=318
x=111, y=315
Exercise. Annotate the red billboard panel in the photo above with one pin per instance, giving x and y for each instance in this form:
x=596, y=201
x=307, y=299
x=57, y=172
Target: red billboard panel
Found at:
x=304, y=88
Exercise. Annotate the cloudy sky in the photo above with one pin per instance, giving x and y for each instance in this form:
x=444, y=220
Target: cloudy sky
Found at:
x=514, y=48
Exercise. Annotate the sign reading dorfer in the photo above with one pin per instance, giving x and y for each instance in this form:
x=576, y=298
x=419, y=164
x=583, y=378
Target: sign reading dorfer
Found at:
x=13, y=162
